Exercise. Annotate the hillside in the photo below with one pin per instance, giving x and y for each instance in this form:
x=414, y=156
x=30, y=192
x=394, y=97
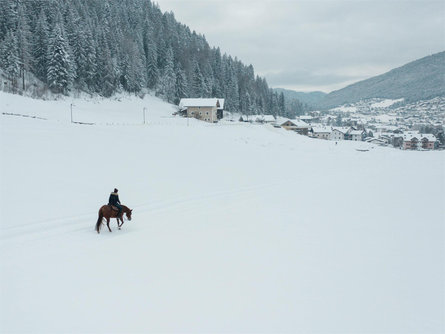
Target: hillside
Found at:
x=422, y=79
x=236, y=227
x=309, y=98
x=108, y=47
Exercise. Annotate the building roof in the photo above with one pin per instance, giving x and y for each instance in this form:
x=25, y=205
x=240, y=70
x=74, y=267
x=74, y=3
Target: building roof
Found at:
x=341, y=129
x=321, y=129
x=374, y=140
x=185, y=103
x=268, y=118
x=411, y=135
x=297, y=123
x=356, y=132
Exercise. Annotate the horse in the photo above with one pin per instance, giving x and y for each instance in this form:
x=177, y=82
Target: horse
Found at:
x=107, y=212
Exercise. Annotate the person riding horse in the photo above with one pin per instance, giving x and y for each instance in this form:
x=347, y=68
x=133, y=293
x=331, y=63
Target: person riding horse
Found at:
x=114, y=201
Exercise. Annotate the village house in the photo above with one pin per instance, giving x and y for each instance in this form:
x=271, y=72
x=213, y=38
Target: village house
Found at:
x=306, y=118
x=339, y=133
x=295, y=125
x=268, y=119
x=357, y=135
x=414, y=141
x=387, y=137
x=210, y=110
x=320, y=132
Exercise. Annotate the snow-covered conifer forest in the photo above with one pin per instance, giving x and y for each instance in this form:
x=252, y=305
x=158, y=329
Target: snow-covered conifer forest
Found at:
x=106, y=47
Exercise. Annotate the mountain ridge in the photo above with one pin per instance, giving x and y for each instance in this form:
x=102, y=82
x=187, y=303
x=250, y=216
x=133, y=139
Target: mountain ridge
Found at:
x=309, y=98
x=420, y=79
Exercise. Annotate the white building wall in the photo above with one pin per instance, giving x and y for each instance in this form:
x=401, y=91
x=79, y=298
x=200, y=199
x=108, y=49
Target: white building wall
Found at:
x=321, y=135
x=337, y=135
x=207, y=114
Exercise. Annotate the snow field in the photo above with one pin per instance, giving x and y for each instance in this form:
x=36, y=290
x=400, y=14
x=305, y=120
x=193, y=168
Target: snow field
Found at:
x=236, y=227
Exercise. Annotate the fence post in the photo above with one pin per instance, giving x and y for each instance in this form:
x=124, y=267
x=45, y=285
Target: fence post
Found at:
x=71, y=107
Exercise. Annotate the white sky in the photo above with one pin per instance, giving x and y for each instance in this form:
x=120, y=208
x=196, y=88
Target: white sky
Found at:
x=317, y=45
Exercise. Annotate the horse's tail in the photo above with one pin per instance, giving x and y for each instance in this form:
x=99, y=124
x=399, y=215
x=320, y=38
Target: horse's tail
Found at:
x=99, y=221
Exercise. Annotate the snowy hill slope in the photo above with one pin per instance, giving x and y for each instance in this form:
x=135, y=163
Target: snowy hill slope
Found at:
x=422, y=79
x=236, y=227
x=309, y=98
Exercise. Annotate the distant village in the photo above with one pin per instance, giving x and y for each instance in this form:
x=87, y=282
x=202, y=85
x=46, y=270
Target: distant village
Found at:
x=417, y=126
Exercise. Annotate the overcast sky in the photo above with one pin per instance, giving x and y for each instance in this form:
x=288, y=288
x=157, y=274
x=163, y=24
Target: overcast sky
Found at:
x=317, y=45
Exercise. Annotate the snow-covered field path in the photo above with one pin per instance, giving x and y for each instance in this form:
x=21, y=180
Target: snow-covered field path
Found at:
x=236, y=228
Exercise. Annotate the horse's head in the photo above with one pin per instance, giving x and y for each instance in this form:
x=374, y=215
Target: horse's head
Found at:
x=128, y=213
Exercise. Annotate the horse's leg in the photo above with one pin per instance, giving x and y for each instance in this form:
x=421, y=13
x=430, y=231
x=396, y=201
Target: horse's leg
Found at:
x=108, y=224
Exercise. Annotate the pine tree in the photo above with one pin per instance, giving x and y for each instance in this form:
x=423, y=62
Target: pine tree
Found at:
x=11, y=14
x=74, y=36
x=4, y=19
x=161, y=48
x=59, y=75
x=132, y=74
x=281, y=106
x=40, y=47
x=106, y=74
x=246, y=104
x=197, y=82
x=9, y=58
x=232, y=93
x=151, y=57
x=168, y=81
x=23, y=43
x=89, y=68
x=218, y=73
x=181, y=85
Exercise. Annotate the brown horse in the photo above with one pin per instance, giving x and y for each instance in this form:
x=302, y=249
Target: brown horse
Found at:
x=107, y=212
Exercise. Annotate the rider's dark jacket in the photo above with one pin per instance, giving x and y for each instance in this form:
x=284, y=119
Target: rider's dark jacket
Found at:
x=114, y=199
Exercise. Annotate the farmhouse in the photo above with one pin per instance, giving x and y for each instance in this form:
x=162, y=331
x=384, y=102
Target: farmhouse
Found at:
x=295, y=125
x=209, y=110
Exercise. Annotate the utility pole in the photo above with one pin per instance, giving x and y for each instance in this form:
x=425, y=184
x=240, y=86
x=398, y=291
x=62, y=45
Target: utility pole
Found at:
x=144, y=110
x=71, y=107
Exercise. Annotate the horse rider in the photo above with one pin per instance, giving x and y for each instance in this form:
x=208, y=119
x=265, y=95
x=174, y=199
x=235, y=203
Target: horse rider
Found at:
x=114, y=200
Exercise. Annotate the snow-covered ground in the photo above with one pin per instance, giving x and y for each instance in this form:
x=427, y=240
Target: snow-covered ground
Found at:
x=236, y=227
x=344, y=108
x=385, y=103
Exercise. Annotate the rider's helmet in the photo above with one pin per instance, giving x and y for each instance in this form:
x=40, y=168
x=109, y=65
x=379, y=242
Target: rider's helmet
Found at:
x=115, y=190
